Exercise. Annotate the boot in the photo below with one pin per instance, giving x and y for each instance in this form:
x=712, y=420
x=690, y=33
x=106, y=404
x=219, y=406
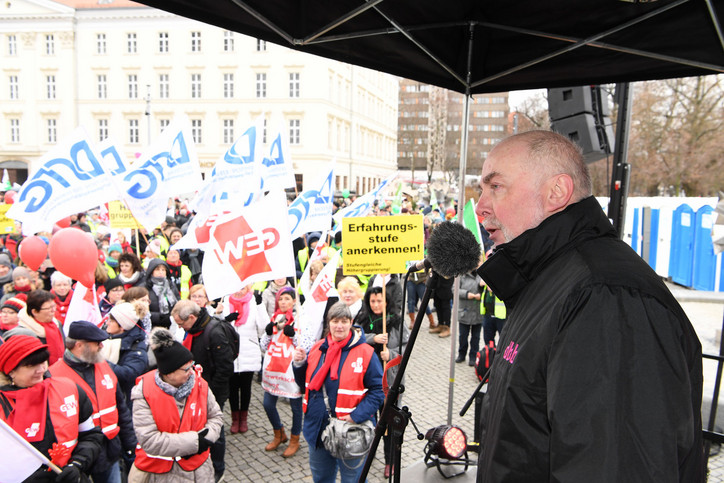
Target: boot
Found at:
x=432, y=320
x=444, y=331
x=234, y=422
x=293, y=446
x=412, y=319
x=436, y=329
x=243, y=427
x=279, y=438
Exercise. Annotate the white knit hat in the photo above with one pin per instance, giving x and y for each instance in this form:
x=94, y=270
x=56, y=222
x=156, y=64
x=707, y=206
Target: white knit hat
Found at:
x=125, y=314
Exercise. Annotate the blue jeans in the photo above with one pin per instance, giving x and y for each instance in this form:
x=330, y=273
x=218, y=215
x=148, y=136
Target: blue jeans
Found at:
x=415, y=292
x=491, y=325
x=111, y=475
x=270, y=406
x=324, y=466
x=474, y=331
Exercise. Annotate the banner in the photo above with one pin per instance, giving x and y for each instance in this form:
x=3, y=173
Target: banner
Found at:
x=248, y=247
x=276, y=168
x=72, y=178
x=121, y=217
x=18, y=458
x=7, y=225
x=168, y=167
x=315, y=300
x=304, y=285
x=112, y=158
x=312, y=209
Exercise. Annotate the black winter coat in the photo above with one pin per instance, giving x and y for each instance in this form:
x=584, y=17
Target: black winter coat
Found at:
x=598, y=375
x=213, y=351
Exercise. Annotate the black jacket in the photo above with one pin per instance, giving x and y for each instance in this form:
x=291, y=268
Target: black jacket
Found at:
x=598, y=375
x=126, y=438
x=213, y=351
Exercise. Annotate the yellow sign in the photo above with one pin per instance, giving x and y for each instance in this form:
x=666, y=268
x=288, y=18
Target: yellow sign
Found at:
x=7, y=225
x=120, y=216
x=381, y=244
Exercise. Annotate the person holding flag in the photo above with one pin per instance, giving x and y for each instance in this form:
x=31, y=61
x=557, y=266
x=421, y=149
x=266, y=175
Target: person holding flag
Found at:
x=53, y=414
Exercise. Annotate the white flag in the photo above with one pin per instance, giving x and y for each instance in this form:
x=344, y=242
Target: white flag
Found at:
x=276, y=167
x=312, y=209
x=363, y=204
x=83, y=306
x=248, y=247
x=316, y=301
x=18, y=458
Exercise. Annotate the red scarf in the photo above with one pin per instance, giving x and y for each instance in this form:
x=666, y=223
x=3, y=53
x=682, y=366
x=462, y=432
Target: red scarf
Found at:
x=189, y=339
x=29, y=406
x=54, y=339
x=241, y=307
x=331, y=361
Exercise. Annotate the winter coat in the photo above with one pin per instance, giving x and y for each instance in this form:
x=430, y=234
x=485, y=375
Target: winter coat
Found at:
x=249, y=359
x=133, y=358
x=393, y=292
x=599, y=372
x=317, y=417
x=125, y=439
x=159, y=318
x=174, y=444
x=469, y=309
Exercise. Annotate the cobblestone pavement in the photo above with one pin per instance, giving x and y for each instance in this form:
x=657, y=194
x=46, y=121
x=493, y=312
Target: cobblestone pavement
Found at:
x=427, y=397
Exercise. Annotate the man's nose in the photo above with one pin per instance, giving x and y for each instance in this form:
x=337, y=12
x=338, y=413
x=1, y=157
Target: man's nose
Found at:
x=481, y=208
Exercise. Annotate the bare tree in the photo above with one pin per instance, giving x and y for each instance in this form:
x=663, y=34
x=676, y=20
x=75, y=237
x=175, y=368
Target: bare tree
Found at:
x=437, y=130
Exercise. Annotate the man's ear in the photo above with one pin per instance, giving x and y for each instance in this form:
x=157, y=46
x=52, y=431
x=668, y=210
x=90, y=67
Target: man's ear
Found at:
x=558, y=193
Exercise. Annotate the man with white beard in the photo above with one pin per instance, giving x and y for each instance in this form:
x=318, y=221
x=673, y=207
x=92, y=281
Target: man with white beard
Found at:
x=83, y=364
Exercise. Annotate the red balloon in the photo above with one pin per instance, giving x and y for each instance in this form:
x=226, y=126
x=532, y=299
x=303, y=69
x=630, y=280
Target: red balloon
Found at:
x=74, y=253
x=63, y=222
x=32, y=251
x=10, y=197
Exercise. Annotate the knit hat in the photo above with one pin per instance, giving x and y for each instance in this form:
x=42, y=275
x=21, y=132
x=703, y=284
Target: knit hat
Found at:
x=112, y=283
x=287, y=290
x=5, y=260
x=154, y=246
x=21, y=272
x=125, y=314
x=13, y=303
x=170, y=354
x=115, y=247
x=16, y=349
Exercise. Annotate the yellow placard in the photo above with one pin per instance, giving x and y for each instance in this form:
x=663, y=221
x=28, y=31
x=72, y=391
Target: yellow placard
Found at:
x=381, y=244
x=7, y=225
x=120, y=216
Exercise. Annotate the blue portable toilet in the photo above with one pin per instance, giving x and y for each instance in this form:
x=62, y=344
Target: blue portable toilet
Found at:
x=635, y=235
x=704, y=273
x=682, y=245
x=654, y=237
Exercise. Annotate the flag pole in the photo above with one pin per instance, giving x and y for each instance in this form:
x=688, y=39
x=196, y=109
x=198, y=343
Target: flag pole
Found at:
x=20, y=440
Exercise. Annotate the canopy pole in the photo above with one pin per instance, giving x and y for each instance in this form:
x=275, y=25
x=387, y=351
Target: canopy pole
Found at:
x=461, y=207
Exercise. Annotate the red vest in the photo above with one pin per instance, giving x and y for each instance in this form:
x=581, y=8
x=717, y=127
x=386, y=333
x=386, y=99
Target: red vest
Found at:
x=105, y=411
x=63, y=407
x=351, y=377
x=165, y=414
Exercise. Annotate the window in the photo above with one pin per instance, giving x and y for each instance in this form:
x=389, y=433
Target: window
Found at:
x=195, y=41
x=263, y=131
x=228, y=131
x=102, y=129
x=50, y=44
x=102, y=86
x=50, y=86
x=260, y=45
x=100, y=44
x=13, y=82
x=195, y=86
x=132, y=43
x=14, y=130
x=163, y=42
x=260, y=85
x=294, y=84
x=12, y=45
x=133, y=86
x=196, y=130
x=228, y=41
x=163, y=86
x=294, y=131
x=228, y=86
x=52, y=131
x=163, y=123
x=133, y=131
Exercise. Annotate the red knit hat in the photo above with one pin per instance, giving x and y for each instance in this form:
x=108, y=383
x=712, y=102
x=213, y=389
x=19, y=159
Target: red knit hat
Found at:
x=16, y=349
x=14, y=303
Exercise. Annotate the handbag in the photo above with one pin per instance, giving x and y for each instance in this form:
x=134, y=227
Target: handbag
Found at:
x=347, y=440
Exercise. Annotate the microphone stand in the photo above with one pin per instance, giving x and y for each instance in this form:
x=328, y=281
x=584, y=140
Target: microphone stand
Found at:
x=393, y=416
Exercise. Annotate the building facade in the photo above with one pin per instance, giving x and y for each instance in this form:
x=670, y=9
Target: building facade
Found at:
x=124, y=70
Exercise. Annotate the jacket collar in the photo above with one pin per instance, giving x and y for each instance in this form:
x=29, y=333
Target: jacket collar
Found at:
x=514, y=264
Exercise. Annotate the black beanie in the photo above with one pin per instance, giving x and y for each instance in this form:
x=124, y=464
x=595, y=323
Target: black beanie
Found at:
x=170, y=354
x=112, y=283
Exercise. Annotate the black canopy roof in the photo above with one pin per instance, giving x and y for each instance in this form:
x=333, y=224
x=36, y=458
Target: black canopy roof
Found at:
x=508, y=44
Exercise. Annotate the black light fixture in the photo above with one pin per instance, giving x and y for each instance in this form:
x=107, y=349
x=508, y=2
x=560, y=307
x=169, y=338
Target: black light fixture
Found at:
x=447, y=446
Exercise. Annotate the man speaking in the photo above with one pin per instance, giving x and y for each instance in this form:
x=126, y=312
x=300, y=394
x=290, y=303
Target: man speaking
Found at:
x=598, y=375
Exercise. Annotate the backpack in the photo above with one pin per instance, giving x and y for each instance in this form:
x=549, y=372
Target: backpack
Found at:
x=230, y=334
x=484, y=359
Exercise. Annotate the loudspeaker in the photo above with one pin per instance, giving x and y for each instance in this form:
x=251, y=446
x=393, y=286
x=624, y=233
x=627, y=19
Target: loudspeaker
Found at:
x=581, y=114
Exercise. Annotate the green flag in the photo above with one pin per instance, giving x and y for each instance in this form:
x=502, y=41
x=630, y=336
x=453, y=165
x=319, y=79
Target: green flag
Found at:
x=470, y=220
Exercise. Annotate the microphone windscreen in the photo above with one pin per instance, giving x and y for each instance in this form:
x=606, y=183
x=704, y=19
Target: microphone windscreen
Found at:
x=452, y=249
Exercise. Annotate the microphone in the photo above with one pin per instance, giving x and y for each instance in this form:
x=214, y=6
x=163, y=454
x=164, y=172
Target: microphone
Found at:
x=451, y=251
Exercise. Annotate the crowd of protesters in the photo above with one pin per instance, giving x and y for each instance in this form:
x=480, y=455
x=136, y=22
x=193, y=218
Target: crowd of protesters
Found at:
x=162, y=345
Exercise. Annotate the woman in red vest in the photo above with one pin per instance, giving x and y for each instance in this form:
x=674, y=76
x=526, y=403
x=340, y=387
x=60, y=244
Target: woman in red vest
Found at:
x=53, y=414
x=175, y=416
x=344, y=368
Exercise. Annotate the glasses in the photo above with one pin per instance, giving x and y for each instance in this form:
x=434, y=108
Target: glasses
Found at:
x=189, y=368
x=50, y=307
